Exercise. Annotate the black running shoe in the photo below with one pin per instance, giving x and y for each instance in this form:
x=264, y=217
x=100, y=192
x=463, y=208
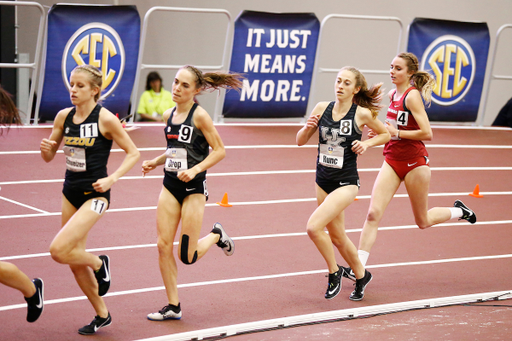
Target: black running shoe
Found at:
x=334, y=287
x=348, y=273
x=358, y=293
x=169, y=312
x=467, y=213
x=35, y=304
x=97, y=323
x=103, y=276
x=225, y=242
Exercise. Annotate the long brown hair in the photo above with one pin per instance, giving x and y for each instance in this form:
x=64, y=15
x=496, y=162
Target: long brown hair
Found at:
x=9, y=114
x=366, y=98
x=215, y=80
x=422, y=80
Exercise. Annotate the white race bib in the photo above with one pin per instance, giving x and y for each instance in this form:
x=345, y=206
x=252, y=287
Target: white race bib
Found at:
x=394, y=125
x=75, y=159
x=331, y=156
x=176, y=159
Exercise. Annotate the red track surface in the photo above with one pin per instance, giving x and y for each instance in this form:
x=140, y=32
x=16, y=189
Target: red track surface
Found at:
x=206, y=304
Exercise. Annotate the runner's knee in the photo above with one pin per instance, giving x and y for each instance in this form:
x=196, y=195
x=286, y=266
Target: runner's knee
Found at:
x=374, y=215
x=184, y=251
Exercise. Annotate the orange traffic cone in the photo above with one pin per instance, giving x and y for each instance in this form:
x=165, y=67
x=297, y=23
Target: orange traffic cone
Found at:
x=355, y=199
x=476, y=192
x=224, y=202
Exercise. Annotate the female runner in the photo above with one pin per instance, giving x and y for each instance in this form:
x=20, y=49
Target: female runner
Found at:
x=190, y=133
x=406, y=158
x=340, y=124
x=88, y=130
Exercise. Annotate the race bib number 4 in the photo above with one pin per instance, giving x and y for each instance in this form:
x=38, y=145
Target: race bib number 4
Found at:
x=402, y=118
x=176, y=159
x=75, y=159
x=331, y=156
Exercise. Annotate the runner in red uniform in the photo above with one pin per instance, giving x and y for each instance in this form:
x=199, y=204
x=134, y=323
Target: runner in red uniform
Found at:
x=406, y=158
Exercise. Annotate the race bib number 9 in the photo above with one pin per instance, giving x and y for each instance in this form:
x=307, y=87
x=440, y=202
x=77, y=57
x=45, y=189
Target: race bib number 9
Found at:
x=185, y=133
x=176, y=159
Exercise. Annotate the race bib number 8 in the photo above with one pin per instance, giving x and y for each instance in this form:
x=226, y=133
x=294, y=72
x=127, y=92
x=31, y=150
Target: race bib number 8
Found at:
x=346, y=127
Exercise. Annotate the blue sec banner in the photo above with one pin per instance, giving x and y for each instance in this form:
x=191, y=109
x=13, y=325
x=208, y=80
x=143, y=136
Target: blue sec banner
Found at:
x=276, y=52
x=104, y=36
x=456, y=54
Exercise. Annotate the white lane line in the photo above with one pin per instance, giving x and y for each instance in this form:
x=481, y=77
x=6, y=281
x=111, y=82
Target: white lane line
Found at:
x=278, y=146
x=262, y=236
x=259, y=278
x=298, y=320
x=296, y=122
x=249, y=203
x=273, y=172
x=24, y=205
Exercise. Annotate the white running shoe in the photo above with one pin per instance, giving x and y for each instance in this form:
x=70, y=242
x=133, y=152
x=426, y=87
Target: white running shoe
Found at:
x=166, y=313
x=225, y=242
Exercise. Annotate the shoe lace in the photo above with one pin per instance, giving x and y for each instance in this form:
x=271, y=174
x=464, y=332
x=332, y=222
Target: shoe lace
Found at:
x=333, y=279
x=94, y=321
x=165, y=309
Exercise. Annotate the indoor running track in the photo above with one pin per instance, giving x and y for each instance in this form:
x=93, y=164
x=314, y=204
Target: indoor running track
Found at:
x=276, y=271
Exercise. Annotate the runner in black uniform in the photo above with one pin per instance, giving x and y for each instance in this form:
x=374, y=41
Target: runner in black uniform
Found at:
x=189, y=133
x=88, y=131
x=337, y=162
x=186, y=147
x=10, y=275
x=340, y=124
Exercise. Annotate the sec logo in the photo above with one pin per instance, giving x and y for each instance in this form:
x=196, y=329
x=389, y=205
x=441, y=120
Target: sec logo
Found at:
x=452, y=61
x=99, y=45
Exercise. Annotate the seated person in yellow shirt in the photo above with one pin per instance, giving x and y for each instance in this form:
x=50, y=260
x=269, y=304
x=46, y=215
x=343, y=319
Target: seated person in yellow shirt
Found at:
x=155, y=100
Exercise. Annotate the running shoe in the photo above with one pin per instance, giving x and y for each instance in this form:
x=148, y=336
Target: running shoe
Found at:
x=169, y=312
x=348, y=273
x=358, y=293
x=225, y=242
x=35, y=304
x=467, y=213
x=334, y=286
x=103, y=276
x=97, y=323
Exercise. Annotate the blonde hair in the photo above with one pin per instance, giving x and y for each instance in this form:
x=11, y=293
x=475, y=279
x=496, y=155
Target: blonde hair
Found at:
x=422, y=80
x=215, y=80
x=366, y=98
x=95, y=77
